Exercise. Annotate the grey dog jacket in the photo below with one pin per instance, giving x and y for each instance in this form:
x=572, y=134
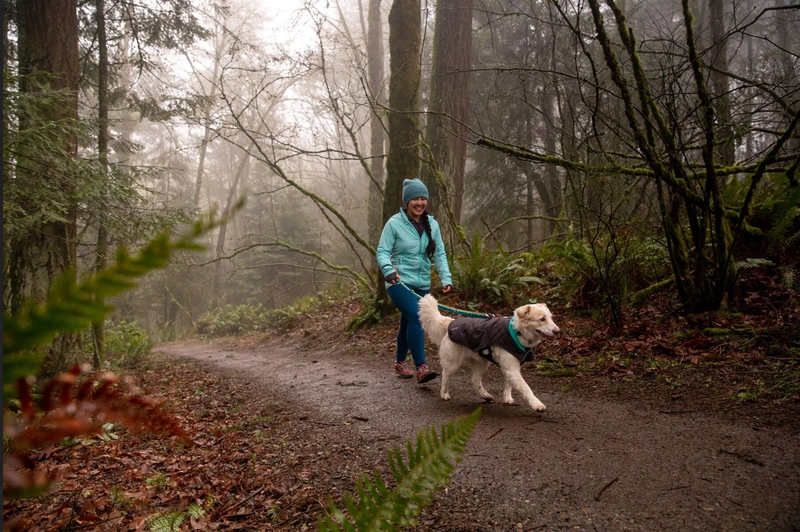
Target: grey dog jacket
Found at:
x=480, y=334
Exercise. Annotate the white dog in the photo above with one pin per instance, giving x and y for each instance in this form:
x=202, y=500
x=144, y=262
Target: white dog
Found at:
x=508, y=342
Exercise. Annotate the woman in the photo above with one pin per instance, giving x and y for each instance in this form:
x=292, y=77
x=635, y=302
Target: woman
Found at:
x=410, y=241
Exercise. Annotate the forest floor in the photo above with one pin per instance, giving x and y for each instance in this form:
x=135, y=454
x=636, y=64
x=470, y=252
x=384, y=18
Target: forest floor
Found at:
x=680, y=424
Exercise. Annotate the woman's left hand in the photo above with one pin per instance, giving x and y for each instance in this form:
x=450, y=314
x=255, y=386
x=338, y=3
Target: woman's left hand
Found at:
x=446, y=289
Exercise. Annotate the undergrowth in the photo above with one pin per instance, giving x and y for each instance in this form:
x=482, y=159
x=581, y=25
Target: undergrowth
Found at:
x=127, y=344
x=236, y=320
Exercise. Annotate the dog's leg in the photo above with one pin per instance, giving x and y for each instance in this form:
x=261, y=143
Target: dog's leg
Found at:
x=513, y=379
x=479, y=367
x=450, y=359
x=507, y=398
x=444, y=391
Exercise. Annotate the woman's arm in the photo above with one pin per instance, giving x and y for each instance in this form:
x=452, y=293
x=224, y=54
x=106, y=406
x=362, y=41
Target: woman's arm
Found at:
x=440, y=256
x=384, y=252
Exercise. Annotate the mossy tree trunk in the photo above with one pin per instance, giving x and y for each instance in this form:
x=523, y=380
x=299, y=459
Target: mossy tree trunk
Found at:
x=48, y=45
x=448, y=107
x=402, y=161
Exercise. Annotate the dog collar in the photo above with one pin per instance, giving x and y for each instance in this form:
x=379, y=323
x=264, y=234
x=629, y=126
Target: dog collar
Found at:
x=513, y=332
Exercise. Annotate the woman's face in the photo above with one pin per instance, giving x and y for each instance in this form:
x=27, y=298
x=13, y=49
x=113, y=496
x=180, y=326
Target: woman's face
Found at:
x=417, y=206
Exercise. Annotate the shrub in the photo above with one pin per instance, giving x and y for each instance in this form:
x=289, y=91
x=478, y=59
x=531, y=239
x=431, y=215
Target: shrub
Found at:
x=494, y=277
x=600, y=275
x=127, y=343
x=232, y=320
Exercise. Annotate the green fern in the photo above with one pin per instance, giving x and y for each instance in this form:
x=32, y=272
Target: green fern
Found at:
x=426, y=471
x=751, y=263
x=165, y=522
x=195, y=510
x=72, y=306
x=784, y=214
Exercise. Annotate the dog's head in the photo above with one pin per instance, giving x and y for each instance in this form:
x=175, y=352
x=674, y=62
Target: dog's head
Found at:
x=534, y=321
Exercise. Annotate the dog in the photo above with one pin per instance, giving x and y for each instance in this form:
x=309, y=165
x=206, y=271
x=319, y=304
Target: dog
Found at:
x=489, y=345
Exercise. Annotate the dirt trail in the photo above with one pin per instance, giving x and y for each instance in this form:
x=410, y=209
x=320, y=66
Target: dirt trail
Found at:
x=583, y=464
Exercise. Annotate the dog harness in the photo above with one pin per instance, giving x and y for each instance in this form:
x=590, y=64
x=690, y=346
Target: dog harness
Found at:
x=480, y=335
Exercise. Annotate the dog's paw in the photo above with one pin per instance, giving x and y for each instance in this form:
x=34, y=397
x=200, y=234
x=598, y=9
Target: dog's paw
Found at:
x=445, y=396
x=538, y=407
x=508, y=400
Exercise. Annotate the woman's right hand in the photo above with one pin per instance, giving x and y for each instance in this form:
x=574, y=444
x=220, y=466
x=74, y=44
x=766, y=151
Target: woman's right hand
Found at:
x=392, y=278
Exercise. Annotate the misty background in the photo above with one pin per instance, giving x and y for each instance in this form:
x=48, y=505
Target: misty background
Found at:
x=638, y=156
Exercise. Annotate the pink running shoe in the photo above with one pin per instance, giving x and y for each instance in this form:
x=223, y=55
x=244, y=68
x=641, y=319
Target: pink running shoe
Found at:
x=425, y=375
x=402, y=370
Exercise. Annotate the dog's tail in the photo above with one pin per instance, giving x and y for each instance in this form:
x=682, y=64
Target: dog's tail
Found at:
x=433, y=322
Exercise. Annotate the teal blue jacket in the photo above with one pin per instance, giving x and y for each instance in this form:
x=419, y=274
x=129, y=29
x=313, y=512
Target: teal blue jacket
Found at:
x=402, y=249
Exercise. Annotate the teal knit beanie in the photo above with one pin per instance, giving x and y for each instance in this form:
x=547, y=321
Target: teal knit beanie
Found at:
x=414, y=188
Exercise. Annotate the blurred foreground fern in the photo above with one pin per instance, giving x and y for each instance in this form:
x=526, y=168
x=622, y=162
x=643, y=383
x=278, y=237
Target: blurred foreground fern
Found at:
x=68, y=407
x=427, y=471
x=71, y=306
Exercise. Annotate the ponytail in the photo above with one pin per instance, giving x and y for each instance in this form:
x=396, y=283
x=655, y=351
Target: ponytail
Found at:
x=426, y=225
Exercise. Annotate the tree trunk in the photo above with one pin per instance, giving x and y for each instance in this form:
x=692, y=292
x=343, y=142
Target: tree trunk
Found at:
x=552, y=200
x=240, y=176
x=703, y=276
x=377, y=137
x=725, y=150
x=448, y=105
x=785, y=22
x=48, y=43
x=402, y=161
x=8, y=16
x=552, y=182
x=535, y=180
x=220, y=36
x=98, y=327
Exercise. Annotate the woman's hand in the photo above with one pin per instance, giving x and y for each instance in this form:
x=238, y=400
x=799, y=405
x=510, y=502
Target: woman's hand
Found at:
x=392, y=278
x=446, y=289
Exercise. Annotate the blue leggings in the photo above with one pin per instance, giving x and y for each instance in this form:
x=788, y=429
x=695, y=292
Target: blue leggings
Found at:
x=410, y=336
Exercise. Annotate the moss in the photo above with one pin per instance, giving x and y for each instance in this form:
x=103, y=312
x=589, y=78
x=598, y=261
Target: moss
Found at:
x=557, y=372
x=716, y=331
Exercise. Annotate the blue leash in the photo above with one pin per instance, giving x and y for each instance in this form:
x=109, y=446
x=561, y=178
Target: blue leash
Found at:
x=451, y=309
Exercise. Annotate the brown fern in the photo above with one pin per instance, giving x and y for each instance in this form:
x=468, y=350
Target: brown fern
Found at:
x=71, y=408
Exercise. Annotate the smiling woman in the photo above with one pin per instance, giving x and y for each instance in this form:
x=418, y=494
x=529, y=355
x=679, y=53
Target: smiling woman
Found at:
x=411, y=241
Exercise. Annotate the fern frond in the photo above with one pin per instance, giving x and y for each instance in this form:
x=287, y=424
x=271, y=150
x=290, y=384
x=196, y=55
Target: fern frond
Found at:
x=751, y=263
x=195, y=510
x=784, y=214
x=72, y=306
x=165, y=522
x=427, y=470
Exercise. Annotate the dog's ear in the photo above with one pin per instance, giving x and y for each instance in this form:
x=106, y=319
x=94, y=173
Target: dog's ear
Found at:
x=524, y=312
